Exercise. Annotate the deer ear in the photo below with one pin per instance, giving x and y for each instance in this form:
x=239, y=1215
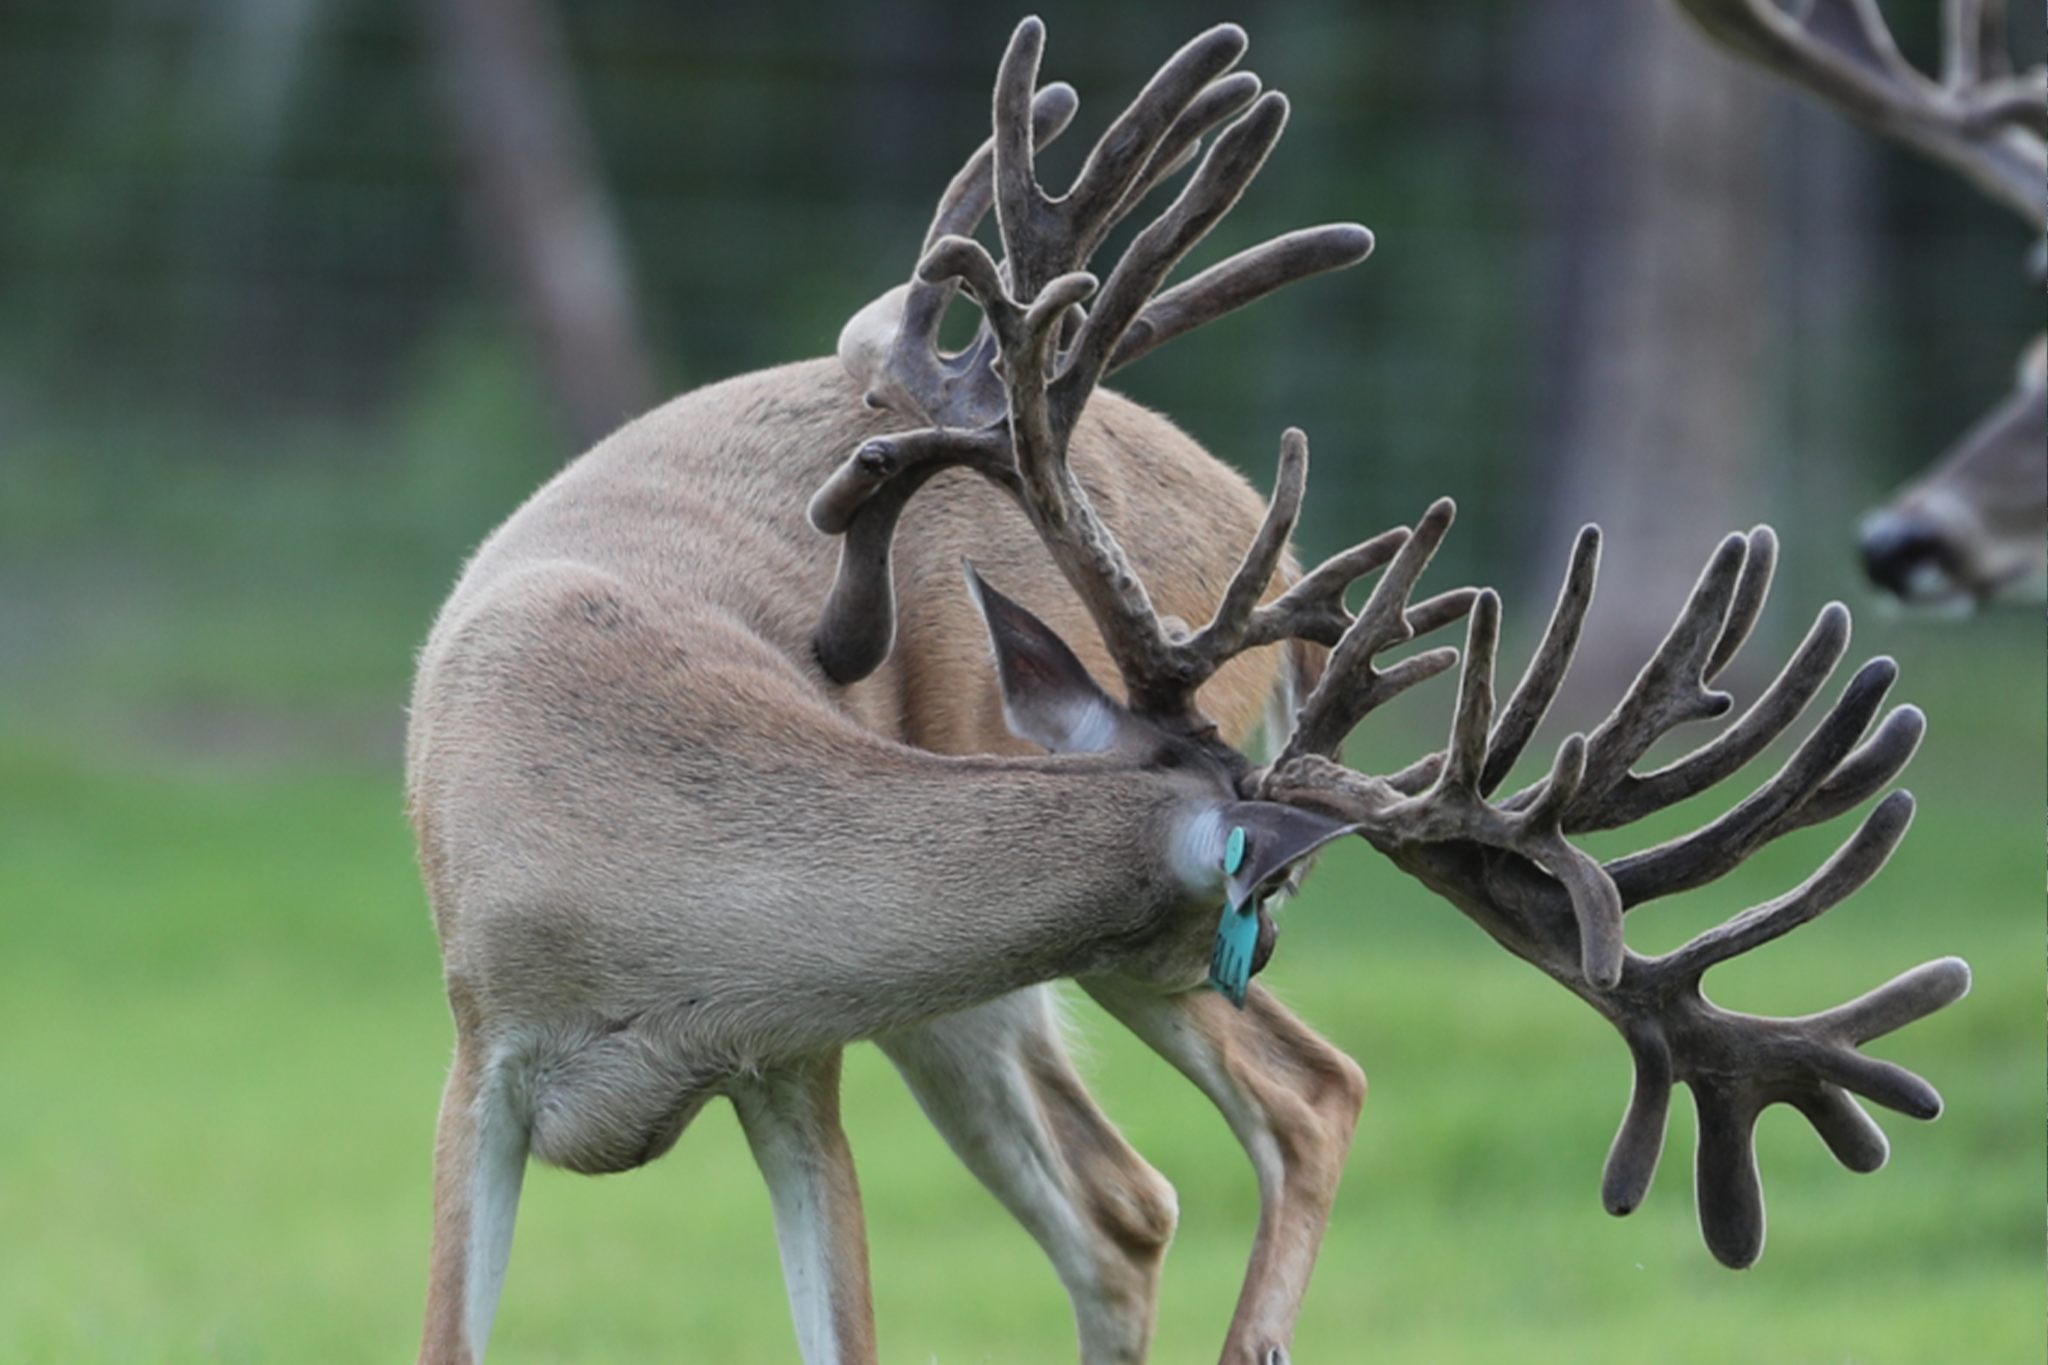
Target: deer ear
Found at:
x=1048, y=696
x=1276, y=837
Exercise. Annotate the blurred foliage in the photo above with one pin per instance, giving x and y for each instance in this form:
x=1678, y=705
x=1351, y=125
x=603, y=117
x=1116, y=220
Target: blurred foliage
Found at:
x=232, y=246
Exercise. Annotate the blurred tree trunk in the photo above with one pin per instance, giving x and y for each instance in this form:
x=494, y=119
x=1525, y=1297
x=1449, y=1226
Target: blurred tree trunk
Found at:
x=537, y=206
x=1651, y=152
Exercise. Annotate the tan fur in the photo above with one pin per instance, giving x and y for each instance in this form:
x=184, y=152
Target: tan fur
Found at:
x=668, y=860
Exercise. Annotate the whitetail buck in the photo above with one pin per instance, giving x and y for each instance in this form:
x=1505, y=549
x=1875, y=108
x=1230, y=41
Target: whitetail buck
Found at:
x=1974, y=527
x=685, y=836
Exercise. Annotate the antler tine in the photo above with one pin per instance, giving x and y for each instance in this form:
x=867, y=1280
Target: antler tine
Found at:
x=1226, y=633
x=1633, y=796
x=1856, y=862
x=1536, y=833
x=891, y=347
x=1223, y=99
x=1816, y=783
x=1991, y=131
x=1540, y=682
x=1313, y=608
x=1751, y=589
x=1977, y=67
x=857, y=627
x=1243, y=278
x=960, y=211
x=1465, y=755
x=1045, y=238
x=1351, y=687
x=1880, y=759
x=972, y=192
x=1232, y=161
x=1671, y=689
x=1972, y=42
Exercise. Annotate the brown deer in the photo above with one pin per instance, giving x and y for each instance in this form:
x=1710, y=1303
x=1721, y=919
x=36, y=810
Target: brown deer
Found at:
x=687, y=836
x=1974, y=527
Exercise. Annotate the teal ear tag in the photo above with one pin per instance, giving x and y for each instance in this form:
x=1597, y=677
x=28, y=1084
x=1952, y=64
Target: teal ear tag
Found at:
x=1230, y=963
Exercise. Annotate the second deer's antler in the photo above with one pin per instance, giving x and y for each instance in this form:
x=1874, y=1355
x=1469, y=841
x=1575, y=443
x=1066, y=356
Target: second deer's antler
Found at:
x=1979, y=117
x=1509, y=866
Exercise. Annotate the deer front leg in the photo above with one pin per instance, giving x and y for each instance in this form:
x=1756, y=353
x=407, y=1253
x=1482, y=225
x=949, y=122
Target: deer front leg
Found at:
x=790, y=1114
x=479, y=1163
x=1293, y=1102
x=998, y=1085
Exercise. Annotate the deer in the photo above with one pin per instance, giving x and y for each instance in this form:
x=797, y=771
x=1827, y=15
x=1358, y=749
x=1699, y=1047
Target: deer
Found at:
x=701, y=799
x=1973, y=527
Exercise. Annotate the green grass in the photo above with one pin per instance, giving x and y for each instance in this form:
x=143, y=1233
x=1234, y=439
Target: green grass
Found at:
x=221, y=1044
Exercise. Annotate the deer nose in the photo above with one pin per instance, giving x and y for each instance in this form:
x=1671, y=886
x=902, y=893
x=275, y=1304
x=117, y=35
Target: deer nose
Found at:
x=1902, y=552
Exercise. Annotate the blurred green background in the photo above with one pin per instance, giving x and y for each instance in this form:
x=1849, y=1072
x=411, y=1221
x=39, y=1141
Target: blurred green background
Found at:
x=268, y=370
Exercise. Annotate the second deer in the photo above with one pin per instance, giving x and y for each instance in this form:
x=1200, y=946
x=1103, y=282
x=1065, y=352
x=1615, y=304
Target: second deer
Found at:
x=1974, y=527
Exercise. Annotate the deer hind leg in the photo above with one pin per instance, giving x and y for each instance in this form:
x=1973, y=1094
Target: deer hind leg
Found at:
x=479, y=1162
x=1292, y=1100
x=790, y=1113
x=998, y=1085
